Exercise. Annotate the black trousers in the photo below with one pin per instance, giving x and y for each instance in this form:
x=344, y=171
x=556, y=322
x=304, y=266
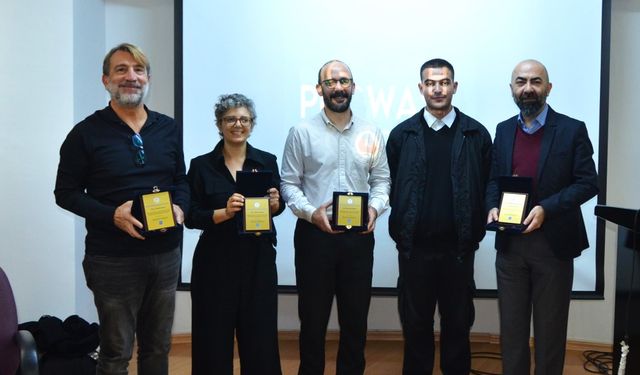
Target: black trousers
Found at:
x=329, y=265
x=234, y=293
x=532, y=279
x=422, y=283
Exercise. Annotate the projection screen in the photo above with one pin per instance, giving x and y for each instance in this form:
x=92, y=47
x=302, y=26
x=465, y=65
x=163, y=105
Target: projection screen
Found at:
x=271, y=51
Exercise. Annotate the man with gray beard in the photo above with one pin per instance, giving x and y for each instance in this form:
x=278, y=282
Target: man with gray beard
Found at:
x=106, y=162
x=534, y=269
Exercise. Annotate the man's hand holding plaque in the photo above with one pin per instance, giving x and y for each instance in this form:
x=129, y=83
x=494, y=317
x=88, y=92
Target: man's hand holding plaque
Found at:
x=510, y=215
x=155, y=211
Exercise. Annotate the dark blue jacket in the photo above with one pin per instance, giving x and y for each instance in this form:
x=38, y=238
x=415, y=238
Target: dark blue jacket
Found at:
x=566, y=178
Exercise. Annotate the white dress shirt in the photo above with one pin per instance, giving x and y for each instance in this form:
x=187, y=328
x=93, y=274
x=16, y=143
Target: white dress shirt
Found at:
x=320, y=159
x=436, y=124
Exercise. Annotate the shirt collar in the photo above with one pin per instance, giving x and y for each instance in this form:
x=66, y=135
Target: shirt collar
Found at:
x=537, y=123
x=448, y=119
x=111, y=115
x=328, y=122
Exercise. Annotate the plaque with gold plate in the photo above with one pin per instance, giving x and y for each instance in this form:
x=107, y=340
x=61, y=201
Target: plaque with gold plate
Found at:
x=514, y=200
x=350, y=211
x=255, y=217
x=156, y=211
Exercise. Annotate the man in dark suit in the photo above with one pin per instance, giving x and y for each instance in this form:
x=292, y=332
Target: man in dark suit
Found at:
x=535, y=269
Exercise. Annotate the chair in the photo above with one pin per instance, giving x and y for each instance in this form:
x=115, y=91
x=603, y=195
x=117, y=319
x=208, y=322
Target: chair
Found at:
x=18, y=351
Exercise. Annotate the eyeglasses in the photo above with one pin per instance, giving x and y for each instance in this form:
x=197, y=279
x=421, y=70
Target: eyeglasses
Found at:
x=331, y=83
x=136, y=140
x=231, y=120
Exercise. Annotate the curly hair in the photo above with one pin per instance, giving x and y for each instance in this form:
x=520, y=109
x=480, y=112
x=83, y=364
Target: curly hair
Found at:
x=230, y=101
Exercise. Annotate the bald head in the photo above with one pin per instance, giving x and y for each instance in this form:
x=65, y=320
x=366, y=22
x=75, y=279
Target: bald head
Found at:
x=331, y=65
x=528, y=66
x=530, y=87
x=336, y=86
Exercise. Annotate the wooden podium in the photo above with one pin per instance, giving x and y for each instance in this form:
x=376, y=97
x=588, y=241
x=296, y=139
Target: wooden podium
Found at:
x=626, y=324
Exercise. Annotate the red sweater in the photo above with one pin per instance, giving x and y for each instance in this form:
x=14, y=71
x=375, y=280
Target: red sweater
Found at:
x=526, y=154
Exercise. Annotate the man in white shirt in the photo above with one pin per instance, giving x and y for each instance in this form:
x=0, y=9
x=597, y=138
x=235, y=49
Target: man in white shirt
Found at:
x=333, y=151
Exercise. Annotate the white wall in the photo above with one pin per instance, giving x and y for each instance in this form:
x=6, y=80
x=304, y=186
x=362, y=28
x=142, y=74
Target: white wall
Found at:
x=89, y=95
x=52, y=53
x=37, y=103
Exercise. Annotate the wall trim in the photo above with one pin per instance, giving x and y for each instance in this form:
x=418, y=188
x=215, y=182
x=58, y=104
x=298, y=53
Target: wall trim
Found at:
x=394, y=335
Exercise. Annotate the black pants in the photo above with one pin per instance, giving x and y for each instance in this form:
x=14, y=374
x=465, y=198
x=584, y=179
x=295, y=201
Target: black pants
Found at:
x=423, y=282
x=234, y=292
x=328, y=265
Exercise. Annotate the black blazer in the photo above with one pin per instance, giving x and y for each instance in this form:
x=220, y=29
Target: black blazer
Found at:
x=211, y=186
x=566, y=178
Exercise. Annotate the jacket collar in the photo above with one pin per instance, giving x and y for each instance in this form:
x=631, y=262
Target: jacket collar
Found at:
x=551, y=118
x=252, y=154
x=463, y=125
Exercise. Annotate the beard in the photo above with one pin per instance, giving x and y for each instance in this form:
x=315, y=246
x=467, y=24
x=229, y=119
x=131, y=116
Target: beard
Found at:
x=125, y=99
x=337, y=107
x=530, y=107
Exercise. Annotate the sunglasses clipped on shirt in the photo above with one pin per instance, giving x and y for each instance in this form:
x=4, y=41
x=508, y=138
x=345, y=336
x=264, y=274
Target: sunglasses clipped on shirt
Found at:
x=136, y=141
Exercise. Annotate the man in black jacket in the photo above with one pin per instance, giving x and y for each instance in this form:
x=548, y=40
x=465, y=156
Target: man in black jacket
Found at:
x=535, y=269
x=439, y=161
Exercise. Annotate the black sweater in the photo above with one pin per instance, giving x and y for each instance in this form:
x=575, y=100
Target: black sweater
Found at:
x=97, y=173
x=437, y=232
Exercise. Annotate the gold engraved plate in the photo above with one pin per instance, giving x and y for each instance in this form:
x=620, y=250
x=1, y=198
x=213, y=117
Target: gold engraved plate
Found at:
x=349, y=211
x=257, y=215
x=512, y=207
x=157, y=210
